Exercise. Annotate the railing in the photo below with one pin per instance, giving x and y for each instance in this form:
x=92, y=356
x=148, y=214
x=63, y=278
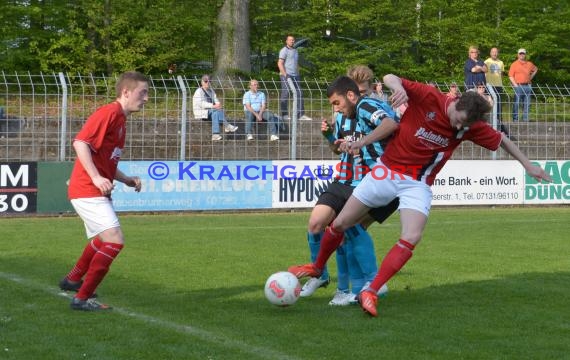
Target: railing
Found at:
x=43, y=112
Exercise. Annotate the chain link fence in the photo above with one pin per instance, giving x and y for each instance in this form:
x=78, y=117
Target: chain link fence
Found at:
x=41, y=113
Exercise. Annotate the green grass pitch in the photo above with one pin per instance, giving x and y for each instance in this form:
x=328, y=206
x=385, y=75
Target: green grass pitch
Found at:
x=484, y=283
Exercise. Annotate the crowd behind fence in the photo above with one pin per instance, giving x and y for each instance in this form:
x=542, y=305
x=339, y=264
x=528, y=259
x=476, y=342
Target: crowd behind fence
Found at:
x=41, y=113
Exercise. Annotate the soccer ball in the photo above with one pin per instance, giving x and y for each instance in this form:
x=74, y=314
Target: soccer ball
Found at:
x=282, y=289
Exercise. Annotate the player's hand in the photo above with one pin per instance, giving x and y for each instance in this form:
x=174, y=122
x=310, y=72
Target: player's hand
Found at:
x=325, y=126
x=104, y=185
x=538, y=173
x=343, y=145
x=134, y=181
x=355, y=146
x=399, y=97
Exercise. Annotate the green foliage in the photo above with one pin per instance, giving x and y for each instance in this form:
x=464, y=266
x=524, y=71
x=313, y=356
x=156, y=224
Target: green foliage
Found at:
x=428, y=42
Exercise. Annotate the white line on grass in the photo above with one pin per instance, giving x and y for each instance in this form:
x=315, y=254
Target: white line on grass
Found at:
x=204, y=335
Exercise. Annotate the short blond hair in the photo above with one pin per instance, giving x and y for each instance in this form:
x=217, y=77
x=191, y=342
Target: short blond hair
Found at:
x=360, y=74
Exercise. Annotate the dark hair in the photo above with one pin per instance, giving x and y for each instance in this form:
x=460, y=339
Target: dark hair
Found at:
x=476, y=106
x=341, y=86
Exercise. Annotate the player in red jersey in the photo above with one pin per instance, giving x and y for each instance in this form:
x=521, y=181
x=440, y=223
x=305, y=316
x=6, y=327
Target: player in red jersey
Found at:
x=98, y=146
x=430, y=129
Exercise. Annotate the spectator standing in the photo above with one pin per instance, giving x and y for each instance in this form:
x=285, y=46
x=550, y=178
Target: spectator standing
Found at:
x=474, y=69
x=521, y=74
x=254, y=105
x=99, y=145
x=288, y=65
x=206, y=106
x=494, y=77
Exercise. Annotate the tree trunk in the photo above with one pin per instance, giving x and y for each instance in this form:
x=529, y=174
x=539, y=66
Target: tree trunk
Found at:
x=232, y=53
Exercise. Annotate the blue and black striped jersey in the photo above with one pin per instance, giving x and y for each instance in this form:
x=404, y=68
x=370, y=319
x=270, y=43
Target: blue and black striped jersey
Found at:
x=369, y=114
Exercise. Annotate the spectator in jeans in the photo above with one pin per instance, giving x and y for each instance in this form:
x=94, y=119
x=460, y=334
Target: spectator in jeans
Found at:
x=206, y=106
x=521, y=73
x=288, y=65
x=254, y=105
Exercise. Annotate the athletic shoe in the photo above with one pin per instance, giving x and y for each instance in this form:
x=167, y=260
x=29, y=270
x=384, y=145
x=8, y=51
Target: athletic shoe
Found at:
x=67, y=285
x=249, y=137
x=274, y=137
x=383, y=292
x=216, y=137
x=301, y=271
x=88, y=305
x=305, y=118
x=342, y=298
x=367, y=300
x=229, y=128
x=312, y=285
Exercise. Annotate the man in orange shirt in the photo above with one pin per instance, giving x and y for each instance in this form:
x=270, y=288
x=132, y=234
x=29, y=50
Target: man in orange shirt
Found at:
x=521, y=73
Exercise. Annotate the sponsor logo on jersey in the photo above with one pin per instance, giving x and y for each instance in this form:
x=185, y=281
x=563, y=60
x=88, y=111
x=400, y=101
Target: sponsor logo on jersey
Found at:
x=430, y=139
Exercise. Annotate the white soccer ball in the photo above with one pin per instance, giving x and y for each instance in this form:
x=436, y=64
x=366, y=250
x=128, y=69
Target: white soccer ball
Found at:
x=282, y=289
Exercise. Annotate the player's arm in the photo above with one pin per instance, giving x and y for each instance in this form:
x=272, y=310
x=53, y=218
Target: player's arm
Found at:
x=132, y=181
x=327, y=131
x=381, y=132
x=399, y=95
x=535, y=171
x=83, y=151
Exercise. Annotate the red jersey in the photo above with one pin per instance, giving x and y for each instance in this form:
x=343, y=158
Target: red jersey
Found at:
x=104, y=132
x=425, y=139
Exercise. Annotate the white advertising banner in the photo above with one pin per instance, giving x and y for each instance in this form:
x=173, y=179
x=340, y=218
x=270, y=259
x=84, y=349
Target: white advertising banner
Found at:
x=479, y=182
x=298, y=184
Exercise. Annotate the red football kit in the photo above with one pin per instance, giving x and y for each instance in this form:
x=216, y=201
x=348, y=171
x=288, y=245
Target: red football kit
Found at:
x=104, y=132
x=425, y=139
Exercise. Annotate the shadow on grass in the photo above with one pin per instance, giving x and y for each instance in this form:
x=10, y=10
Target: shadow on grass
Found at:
x=519, y=316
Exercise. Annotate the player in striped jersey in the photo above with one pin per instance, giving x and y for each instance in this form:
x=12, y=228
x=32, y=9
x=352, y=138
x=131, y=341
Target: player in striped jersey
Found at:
x=356, y=259
x=430, y=129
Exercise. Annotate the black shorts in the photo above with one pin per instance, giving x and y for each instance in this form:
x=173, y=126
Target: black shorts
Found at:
x=337, y=194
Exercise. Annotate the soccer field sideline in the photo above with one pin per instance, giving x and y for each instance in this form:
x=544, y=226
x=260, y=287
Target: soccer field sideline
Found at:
x=207, y=336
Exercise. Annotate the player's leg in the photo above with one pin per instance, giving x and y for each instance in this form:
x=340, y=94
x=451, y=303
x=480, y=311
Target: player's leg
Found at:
x=321, y=216
x=362, y=244
x=334, y=234
x=360, y=257
x=72, y=281
x=415, y=202
x=100, y=220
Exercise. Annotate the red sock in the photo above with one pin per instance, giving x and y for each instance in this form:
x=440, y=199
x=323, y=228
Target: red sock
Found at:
x=329, y=243
x=392, y=263
x=98, y=268
x=82, y=264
